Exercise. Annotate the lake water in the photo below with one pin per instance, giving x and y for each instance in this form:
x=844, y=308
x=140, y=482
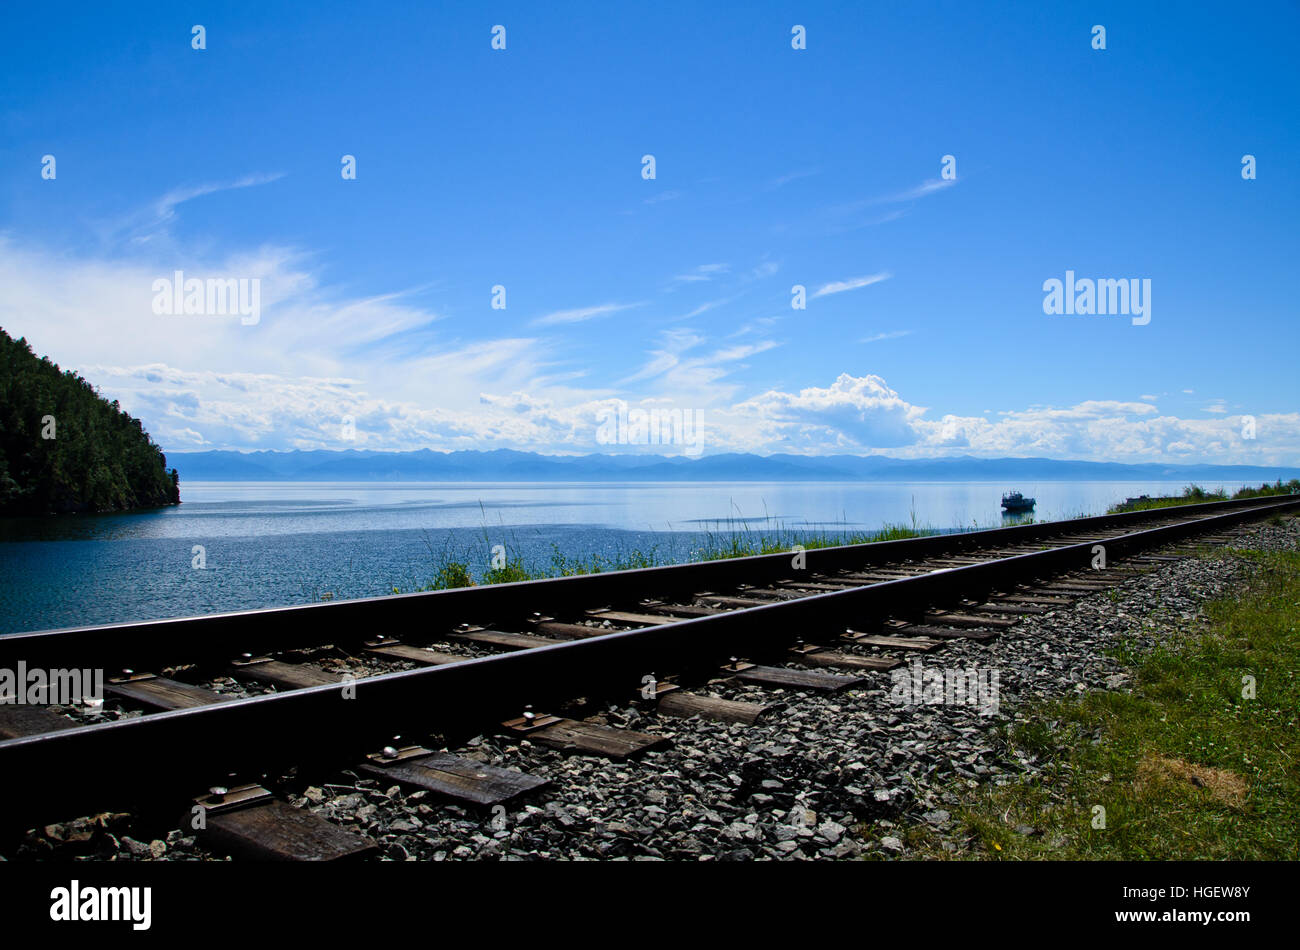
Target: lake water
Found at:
x=268, y=544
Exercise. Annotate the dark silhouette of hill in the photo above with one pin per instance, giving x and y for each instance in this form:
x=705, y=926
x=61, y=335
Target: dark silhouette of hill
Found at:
x=64, y=448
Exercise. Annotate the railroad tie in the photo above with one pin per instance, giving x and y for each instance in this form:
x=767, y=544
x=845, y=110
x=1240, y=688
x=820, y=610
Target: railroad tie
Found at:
x=569, y=631
x=502, y=638
x=955, y=619
x=1079, y=586
x=822, y=585
x=684, y=705
x=420, y=655
x=924, y=630
x=628, y=618
x=994, y=607
x=161, y=693
x=1034, y=599
x=451, y=776
x=17, y=721
x=921, y=644
x=285, y=675
x=590, y=738
x=813, y=680
x=732, y=601
x=250, y=822
x=770, y=595
x=683, y=610
x=883, y=574
x=845, y=661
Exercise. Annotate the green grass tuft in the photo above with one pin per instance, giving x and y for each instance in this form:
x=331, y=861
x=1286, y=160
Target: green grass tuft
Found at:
x=1187, y=766
x=1196, y=495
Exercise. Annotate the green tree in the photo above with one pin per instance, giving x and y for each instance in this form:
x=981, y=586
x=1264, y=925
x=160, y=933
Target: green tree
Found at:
x=99, y=458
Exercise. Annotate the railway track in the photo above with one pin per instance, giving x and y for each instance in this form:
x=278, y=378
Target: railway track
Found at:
x=391, y=687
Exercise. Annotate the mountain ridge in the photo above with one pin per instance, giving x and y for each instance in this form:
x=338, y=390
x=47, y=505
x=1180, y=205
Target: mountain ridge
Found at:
x=507, y=465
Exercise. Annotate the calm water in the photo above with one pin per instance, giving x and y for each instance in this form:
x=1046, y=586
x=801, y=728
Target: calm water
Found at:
x=278, y=543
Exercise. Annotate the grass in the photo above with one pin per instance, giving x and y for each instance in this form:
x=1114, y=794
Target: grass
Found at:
x=1195, y=495
x=450, y=570
x=1188, y=766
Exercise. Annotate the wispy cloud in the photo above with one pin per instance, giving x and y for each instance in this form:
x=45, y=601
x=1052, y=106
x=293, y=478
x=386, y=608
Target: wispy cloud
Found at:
x=673, y=343
x=694, y=377
x=145, y=225
x=853, y=283
x=663, y=196
x=891, y=335
x=793, y=176
x=580, y=314
x=702, y=273
x=892, y=215
x=757, y=325
x=705, y=308
x=166, y=205
x=928, y=187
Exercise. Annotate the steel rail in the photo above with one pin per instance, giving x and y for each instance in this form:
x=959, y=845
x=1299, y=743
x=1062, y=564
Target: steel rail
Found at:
x=153, y=644
x=129, y=761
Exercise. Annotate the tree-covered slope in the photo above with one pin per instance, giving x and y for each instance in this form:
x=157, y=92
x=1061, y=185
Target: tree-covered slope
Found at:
x=64, y=448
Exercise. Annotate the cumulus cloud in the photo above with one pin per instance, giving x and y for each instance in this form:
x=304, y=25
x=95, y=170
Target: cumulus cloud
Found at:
x=861, y=412
x=856, y=415
x=317, y=358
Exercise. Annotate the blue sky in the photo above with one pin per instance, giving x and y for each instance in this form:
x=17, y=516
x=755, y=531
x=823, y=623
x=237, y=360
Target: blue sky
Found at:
x=774, y=167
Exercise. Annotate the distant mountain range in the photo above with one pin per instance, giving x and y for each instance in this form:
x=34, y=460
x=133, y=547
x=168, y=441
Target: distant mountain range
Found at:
x=505, y=465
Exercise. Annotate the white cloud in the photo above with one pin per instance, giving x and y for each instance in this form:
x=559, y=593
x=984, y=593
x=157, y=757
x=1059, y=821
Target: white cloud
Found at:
x=853, y=412
x=581, y=314
x=165, y=208
x=927, y=187
x=705, y=308
x=853, y=283
x=395, y=368
x=793, y=176
x=889, y=335
x=148, y=226
x=701, y=274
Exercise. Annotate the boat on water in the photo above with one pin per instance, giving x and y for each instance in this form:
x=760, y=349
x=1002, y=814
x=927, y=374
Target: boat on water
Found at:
x=1014, y=501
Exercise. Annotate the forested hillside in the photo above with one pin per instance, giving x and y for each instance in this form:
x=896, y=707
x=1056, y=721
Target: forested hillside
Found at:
x=63, y=448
